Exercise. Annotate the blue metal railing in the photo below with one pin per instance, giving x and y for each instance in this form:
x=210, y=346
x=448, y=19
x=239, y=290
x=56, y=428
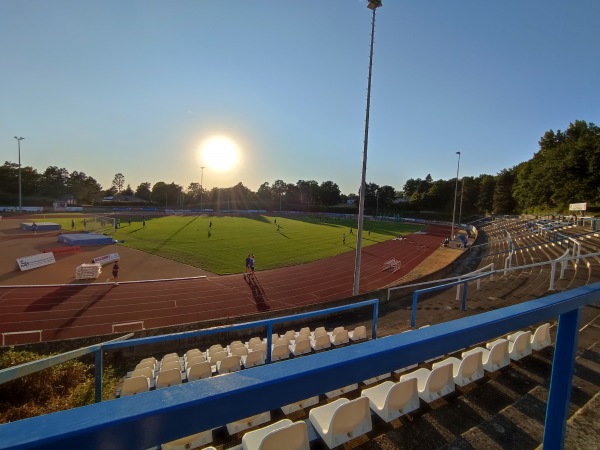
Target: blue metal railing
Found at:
x=266, y=323
x=151, y=418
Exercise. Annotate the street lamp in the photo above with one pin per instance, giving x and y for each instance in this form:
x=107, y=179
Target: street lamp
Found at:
x=455, y=192
x=201, y=188
x=377, y=207
x=462, y=190
x=19, y=139
x=372, y=5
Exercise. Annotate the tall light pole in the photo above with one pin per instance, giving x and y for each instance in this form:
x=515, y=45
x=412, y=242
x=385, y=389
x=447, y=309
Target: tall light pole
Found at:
x=19, y=139
x=201, y=187
x=377, y=207
x=373, y=5
x=455, y=192
x=462, y=190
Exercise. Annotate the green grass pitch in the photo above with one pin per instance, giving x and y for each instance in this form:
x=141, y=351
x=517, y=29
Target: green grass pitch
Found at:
x=222, y=248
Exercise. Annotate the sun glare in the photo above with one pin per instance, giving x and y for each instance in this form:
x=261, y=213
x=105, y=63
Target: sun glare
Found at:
x=219, y=153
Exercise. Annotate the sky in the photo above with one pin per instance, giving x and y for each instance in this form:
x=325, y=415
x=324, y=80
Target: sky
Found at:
x=137, y=86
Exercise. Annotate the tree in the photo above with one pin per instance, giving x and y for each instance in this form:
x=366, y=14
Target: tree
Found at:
x=143, y=191
x=54, y=182
x=503, y=201
x=264, y=192
x=85, y=189
x=118, y=182
x=485, y=200
x=329, y=193
x=128, y=191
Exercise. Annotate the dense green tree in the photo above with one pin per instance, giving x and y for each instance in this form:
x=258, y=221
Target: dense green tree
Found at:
x=84, y=188
x=143, y=191
x=503, y=201
x=485, y=200
x=329, y=193
x=54, y=182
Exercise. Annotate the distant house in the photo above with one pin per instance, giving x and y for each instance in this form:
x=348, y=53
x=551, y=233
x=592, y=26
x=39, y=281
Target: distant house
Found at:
x=351, y=201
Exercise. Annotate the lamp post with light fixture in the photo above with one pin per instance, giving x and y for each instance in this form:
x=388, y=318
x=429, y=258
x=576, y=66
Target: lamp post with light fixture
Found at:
x=19, y=139
x=372, y=5
x=455, y=193
x=201, y=187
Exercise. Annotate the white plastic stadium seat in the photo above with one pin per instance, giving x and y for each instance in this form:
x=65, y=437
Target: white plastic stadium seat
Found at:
x=340, y=338
x=199, y=371
x=167, y=378
x=196, y=359
x=280, y=352
x=519, y=344
x=229, y=364
x=541, y=337
x=432, y=384
x=252, y=359
x=171, y=364
x=144, y=372
x=300, y=347
x=342, y=420
x=239, y=351
x=495, y=357
x=466, y=370
x=391, y=400
x=135, y=385
x=284, y=434
x=358, y=334
x=320, y=342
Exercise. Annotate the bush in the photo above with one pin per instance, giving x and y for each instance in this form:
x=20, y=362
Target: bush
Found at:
x=65, y=386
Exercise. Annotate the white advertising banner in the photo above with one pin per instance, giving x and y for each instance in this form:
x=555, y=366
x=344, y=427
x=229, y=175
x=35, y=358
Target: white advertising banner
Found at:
x=106, y=259
x=35, y=261
x=578, y=207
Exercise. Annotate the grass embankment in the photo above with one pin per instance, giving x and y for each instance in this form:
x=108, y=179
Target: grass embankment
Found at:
x=65, y=386
x=222, y=247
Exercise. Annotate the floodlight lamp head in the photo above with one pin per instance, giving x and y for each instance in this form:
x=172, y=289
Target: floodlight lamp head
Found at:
x=458, y=153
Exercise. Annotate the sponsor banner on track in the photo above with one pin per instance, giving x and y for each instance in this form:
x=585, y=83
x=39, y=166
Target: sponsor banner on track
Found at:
x=35, y=261
x=106, y=259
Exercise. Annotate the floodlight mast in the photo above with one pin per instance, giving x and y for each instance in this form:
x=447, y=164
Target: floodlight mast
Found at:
x=19, y=139
x=201, y=188
x=372, y=5
x=455, y=193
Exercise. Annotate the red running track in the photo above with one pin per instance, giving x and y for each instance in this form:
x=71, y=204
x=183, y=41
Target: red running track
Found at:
x=49, y=313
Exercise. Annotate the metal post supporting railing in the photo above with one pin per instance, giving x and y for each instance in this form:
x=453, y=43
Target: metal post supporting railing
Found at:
x=561, y=380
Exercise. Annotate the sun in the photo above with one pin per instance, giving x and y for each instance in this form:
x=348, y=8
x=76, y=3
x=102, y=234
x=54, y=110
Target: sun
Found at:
x=219, y=154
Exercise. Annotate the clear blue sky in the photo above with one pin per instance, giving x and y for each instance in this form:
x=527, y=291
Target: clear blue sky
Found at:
x=135, y=86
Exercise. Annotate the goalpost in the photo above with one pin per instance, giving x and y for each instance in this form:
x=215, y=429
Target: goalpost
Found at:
x=102, y=223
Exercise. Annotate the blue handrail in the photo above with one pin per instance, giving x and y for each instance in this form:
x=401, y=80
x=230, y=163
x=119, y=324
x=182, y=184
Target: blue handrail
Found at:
x=151, y=418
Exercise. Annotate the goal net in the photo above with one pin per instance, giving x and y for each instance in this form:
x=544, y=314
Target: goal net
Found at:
x=102, y=224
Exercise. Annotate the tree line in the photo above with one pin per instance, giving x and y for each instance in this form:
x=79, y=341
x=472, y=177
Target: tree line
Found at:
x=565, y=169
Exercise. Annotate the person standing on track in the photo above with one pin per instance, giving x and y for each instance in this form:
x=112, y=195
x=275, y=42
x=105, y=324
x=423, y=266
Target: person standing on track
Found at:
x=252, y=265
x=115, y=272
x=247, y=264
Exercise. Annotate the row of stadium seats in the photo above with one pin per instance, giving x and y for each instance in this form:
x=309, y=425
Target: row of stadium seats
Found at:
x=343, y=419
x=195, y=364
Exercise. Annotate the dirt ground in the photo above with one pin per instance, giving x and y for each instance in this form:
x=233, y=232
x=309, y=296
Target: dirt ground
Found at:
x=134, y=264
